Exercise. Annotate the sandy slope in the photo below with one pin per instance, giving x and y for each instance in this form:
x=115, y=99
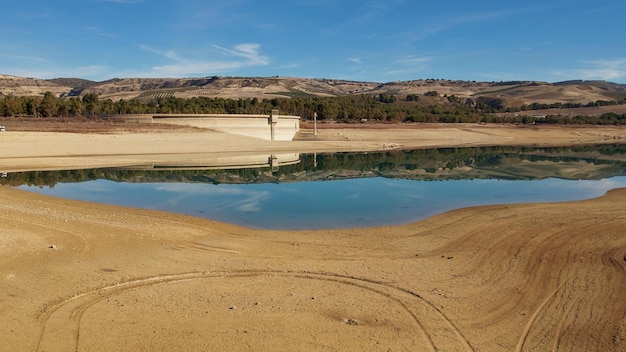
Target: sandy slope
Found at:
x=88, y=277
x=77, y=276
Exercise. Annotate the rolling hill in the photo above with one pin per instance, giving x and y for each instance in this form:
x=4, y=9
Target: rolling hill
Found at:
x=512, y=93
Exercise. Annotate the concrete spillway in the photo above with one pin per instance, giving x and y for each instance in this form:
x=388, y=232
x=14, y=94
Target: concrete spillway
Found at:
x=271, y=127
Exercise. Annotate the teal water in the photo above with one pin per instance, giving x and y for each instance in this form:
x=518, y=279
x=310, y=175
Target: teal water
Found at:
x=328, y=204
x=349, y=189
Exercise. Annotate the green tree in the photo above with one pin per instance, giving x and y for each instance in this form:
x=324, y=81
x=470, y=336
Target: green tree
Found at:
x=387, y=98
x=412, y=97
x=90, y=103
x=74, y=107
x=31, y=105
x=61, y=109
x=48, y=105
x=12, y=106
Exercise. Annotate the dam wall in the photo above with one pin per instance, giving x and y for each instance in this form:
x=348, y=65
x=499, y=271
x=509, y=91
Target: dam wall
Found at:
x=212, y=162
x=273, y=127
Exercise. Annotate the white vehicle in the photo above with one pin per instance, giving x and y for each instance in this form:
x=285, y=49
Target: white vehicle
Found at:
x=2, y=129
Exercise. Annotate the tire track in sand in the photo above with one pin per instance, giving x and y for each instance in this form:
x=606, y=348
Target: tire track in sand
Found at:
x=60, y=322
x=533, y=318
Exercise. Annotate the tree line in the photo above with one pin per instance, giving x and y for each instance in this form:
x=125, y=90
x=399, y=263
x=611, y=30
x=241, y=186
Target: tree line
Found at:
x=429, y=107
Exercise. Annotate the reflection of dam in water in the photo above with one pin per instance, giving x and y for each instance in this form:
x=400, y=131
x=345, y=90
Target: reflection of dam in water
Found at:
x=272, y=127
x=273, y=161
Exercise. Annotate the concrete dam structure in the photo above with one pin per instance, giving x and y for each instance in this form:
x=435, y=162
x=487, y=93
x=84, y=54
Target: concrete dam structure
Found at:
x=210, y=162
x=273, y=127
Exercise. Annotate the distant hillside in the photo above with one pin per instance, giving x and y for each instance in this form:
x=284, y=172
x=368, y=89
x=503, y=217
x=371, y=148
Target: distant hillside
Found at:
x=609, y=86
x=72, y=82
x=511, y=93
x=21, y=86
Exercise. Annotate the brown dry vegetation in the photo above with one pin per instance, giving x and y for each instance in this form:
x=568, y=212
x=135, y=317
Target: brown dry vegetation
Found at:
x=583, y=111
x=512, y=93
x=85, y=125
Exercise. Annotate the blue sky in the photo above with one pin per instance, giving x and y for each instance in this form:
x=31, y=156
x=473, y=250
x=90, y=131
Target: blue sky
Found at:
x=379, y=41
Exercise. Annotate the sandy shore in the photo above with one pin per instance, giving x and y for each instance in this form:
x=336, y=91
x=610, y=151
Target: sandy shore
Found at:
x=77, y=276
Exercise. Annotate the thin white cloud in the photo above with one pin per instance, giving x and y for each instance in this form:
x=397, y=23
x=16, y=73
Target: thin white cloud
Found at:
x=444, y=23
x=239, y=56
x=170, y=54
x=250, y=206
x=98, y=31
x=606, y=69
x=249, y=51
x=370, y=11
x=56, y=72
x=415, y=60
x=403, y=72
x=22, y=58
x=230, y=197
x=356, y=60
x=200, y=15
x=408, y=66
x=290, y=66
x=596, y=69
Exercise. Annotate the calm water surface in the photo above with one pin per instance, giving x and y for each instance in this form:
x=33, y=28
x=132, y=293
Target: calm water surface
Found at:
x=328, y=204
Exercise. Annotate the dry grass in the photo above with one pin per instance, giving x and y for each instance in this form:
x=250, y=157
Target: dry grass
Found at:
x=86, y=125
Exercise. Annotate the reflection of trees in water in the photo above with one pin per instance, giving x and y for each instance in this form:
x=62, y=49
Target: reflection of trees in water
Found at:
x=418, y=164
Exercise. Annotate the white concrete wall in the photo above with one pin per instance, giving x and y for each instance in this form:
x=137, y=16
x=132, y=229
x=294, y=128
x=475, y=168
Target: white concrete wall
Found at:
x=257, y=126
x=227, y=162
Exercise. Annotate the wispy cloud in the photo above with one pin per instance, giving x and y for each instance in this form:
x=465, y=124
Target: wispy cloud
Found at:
x=415, y=60
x=370, y=11
x=200, y=15
x=170, y=54
x=292, y=65
x=98, y=31
x=239, y=56
x=230, y=197
x=55, y=72
x=408, y=65
x=248, y=51
x=22, y=58
x=607, y=70
x=448, y=22
x=251, y=205
x=356, y=60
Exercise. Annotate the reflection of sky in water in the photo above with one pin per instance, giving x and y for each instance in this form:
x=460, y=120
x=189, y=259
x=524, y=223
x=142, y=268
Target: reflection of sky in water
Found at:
x=328, y=204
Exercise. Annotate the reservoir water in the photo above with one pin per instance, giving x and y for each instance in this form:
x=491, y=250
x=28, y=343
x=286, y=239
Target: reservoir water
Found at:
x=348, y=190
